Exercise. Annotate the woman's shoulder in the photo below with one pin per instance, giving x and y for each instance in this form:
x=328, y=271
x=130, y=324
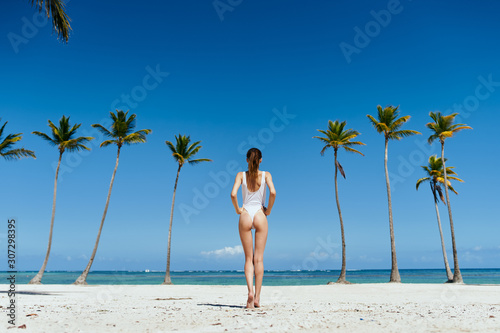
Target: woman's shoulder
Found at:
x=267, y=174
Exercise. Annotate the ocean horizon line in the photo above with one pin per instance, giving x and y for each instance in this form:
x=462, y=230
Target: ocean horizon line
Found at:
x=240, y=270
x=271, y=277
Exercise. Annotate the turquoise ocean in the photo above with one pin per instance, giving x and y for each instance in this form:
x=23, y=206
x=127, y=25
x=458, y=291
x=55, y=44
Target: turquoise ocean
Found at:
x=271, y=278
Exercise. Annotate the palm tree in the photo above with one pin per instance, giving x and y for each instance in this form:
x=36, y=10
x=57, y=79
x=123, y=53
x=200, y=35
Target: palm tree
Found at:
x=8, y=142
x=121, y=133
x=443, y=128
x=389, y=124
x=434, y=171
x=63, y=138
x=337, y=137
x=183, y=153
x=60, y=20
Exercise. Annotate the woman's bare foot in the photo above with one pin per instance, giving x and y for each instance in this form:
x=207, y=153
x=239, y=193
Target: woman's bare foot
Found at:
x=256, y=302
x=250, y=302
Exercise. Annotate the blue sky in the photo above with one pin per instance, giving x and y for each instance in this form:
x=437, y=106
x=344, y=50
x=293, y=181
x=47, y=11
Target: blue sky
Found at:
x=265, y=74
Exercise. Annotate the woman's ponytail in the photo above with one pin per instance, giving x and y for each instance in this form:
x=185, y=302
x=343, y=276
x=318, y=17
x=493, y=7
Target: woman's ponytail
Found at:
x=253, y=156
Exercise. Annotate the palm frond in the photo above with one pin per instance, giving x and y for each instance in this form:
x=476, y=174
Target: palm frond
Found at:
x=452, y=189
x=170, y=145
x=191, y=151
x=10, y=140
x=399, y=122
x=2, y=128
x=353, y=143
x=136, y=137
x=380, y=127
x=421, y=180
x=322, y=152
x=398, y=135
x=45, y=137
x=57, y=10
x=325, y=140
x=178, y=157
x=199, y=160
x=193, y=148
x=103, y=130
x=77, y=144
x=432, y=138
x=340, y=168
x=17, y=154
x=108, y=142
x=351, y=150
x=454, y=178
x=440, y=192
x=459, y=128
x=56, y=131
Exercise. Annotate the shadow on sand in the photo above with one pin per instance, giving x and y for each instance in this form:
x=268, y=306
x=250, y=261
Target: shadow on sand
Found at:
x=223, y=305
x=29, y=293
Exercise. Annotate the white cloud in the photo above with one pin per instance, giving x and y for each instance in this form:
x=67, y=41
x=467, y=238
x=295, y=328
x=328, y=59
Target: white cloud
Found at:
x=225, y=252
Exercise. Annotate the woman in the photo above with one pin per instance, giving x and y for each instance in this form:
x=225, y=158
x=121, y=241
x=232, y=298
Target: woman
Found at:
x=253, y=215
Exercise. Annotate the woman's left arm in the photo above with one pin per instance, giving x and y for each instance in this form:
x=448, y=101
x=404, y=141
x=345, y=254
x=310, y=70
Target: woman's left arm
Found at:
x=272, y=193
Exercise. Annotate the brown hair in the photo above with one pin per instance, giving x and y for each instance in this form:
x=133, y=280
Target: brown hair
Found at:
x=253, y=156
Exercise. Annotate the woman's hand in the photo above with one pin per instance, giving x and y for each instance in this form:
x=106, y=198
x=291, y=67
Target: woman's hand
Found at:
x=266, y=211
x=239, y=210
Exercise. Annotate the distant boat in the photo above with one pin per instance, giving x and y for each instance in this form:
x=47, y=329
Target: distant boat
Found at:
x=147, y=271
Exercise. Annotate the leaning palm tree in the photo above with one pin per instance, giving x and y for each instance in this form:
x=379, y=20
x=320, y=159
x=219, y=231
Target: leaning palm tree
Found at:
x=388, y=123
x=337, y=137
x=7, y=143
x=434, y=171
x=183, y=153
x=443, y=128
x=60, y=20
x=63, y=138
x=121, y=133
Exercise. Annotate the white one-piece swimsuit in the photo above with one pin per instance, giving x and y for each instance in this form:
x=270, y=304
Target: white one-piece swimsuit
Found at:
x=254, y=201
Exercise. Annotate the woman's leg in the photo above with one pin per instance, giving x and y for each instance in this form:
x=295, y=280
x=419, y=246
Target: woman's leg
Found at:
x=260, y=223
x=245, y=226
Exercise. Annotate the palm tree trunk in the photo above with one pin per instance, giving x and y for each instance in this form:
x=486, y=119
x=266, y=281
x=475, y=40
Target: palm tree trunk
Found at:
x=167, y=279
x=82, y=279
x=394, y=269
x=457, y=276
x=341, y=278
x=449, y=275
x=38, y=277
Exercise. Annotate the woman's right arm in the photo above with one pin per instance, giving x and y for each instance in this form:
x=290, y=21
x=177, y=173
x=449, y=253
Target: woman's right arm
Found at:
x=234, y=193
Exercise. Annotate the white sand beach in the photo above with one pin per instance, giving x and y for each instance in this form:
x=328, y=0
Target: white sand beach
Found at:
x=184, y=308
